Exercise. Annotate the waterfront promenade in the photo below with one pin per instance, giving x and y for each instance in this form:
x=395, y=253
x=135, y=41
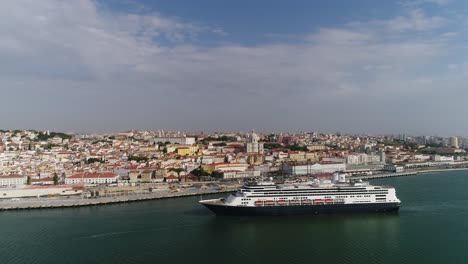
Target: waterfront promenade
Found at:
x=42, y=203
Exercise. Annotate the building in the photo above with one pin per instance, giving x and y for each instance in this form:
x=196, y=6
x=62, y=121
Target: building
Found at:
x=92, y=178
x=438, y=158
x=453, y=142
x=253, y=144
x=225, y=167
x=306, y=169
x=176, y=140
x=234, y=174
x=316, y=147
x=187, y=150
x=171, y=178
x=382, y=157
x=448, y=150
x=393, y=168
x=12, y=180
x=43, y=181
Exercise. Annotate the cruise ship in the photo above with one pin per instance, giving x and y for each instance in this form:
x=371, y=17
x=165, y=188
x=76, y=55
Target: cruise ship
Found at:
x=308, y=198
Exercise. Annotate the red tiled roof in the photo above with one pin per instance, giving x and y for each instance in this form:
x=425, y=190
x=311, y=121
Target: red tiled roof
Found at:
x=74, y=186
x=11, y=176
x=42, y=180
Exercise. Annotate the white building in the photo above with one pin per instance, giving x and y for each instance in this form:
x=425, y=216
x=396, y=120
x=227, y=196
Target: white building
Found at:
x=253, y=146
x=363, y=158
x=305, y=169
x=92, y=178
x=176, y=140
x=439, y=158
x=12, y=180
x=453, y=142
x=232, y=174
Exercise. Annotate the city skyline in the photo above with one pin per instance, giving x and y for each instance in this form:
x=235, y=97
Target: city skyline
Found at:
x=109, y=66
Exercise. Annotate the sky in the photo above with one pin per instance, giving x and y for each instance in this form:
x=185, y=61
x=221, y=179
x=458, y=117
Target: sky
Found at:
x=358, y=66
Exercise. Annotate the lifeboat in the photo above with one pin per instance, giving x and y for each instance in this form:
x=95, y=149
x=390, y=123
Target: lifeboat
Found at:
x=282, y=202
x=306, y=201
x=328, y=200
x=294, y=202
x=318, y=201
x=258, y=203
x=269, y=202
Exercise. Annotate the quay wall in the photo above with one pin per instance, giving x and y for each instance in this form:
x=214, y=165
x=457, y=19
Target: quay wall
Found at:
x=79, y=202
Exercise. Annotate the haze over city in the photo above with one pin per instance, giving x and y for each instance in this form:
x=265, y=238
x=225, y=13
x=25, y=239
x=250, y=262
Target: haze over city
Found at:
x=350, y=66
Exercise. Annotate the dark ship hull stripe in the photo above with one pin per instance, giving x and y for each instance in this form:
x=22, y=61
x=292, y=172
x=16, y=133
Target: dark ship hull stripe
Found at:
x=220, y=209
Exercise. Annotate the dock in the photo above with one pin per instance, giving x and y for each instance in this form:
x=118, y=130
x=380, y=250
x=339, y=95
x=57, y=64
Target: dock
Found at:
x=384, y=175
x=406, y=173
x=49, y=203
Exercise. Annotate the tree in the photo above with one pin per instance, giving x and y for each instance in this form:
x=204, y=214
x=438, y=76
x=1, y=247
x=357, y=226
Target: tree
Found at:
x=137, y=158
x=198, y=172
x=93, y=160
x=217, y=174
x=272, y=145
x=164, y=150
x=55, y=178
x=296, y=147
x=28, y=180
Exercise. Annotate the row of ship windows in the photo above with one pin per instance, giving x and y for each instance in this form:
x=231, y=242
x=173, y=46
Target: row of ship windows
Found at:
x=326, y=197
x=352, y=196
x=331, y=192
x=304, y=196
x=306, y=190
x=324, y=193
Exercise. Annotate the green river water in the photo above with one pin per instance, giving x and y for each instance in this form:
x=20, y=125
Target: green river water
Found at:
x=431, y=227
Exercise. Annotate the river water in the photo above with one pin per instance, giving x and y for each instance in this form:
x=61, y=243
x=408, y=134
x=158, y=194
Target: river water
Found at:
x=431, y=227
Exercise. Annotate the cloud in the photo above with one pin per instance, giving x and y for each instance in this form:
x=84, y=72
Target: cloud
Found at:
x=415, y=20
x=76, y=65
x=415, y=3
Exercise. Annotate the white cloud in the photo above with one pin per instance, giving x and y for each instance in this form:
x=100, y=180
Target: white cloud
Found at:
x=93, y=62
x=415, y=3
x=416, y=20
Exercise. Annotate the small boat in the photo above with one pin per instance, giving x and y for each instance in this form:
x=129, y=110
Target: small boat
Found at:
x=328, y=200
x=318, y=201
x=258, y=203
x=269, y=202
x=306, y=201
x=295, y=202
x=282, y=202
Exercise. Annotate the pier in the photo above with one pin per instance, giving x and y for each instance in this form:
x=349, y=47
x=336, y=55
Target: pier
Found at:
x=38, y=203
x=384, y=175
x=406, y=173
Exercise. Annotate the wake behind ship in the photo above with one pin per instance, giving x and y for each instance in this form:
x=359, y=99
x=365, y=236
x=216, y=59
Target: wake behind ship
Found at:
x=311, y=198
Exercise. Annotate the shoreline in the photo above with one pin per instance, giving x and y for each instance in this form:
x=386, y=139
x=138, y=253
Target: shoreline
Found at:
x=31, y=203
x=73, y=202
